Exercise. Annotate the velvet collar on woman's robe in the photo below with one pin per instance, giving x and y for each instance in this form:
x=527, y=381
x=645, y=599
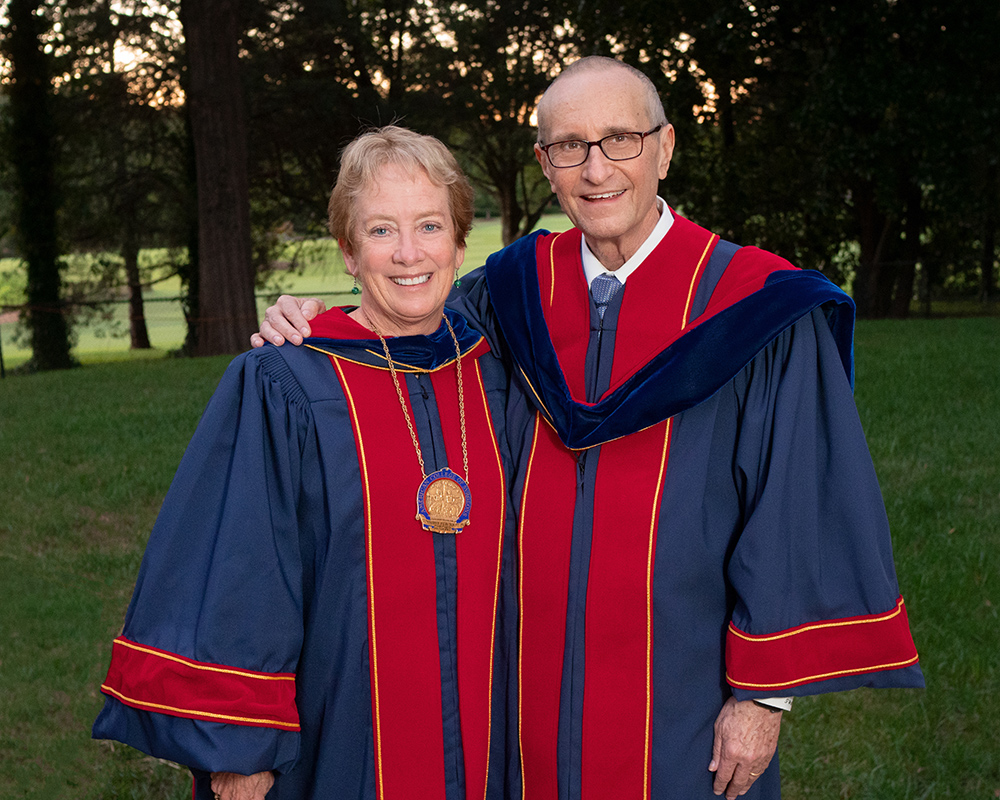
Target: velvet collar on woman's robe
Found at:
x=335, y=333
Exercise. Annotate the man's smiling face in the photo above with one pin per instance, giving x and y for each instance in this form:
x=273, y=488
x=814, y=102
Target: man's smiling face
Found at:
x=612, y=202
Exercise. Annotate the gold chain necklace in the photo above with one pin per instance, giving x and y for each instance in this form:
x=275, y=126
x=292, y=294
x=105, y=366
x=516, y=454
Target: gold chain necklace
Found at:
x=443, y=499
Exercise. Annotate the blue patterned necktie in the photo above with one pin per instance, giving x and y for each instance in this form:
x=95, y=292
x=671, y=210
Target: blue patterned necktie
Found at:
x=604, y=288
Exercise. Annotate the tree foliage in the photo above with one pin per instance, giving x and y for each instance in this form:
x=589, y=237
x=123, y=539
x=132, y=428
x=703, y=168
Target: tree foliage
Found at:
x=492, y=85
x=124, y=139
x=856, y=136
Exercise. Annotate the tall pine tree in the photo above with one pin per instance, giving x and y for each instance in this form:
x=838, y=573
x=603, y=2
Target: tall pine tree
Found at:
x=31, y=138
x=226, y=309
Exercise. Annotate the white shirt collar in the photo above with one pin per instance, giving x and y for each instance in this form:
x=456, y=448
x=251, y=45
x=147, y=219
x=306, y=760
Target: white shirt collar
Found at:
x=592, y=267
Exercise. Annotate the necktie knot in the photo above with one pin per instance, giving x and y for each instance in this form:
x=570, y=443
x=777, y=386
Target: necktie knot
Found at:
x=604, y=288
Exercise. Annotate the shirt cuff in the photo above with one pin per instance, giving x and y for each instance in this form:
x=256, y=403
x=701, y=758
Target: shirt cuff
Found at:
x=777, y=703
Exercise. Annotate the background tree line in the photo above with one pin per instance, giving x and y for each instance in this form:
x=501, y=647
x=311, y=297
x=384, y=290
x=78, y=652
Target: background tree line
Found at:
x=853, y=136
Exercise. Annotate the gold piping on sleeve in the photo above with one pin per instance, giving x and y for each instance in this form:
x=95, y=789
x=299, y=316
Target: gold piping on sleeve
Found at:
x=818, y=625
x=824, y=676
x=197, y=665
x=131, y=701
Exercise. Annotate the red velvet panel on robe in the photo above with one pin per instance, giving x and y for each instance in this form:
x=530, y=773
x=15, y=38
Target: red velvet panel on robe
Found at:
x=618, y=689
x=403, y=634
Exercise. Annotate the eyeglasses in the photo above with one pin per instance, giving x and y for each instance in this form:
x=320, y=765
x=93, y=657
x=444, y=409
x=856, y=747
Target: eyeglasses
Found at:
x=617, y=147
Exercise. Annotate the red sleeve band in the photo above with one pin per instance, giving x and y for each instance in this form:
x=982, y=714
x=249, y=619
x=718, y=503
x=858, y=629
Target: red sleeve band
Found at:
x=820, y=651
x=149, y=679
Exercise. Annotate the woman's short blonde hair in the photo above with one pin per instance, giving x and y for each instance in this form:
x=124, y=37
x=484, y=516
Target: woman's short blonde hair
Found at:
x=363, y=159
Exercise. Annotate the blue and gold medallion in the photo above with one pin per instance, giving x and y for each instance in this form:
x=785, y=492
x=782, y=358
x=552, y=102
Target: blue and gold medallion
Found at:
x=444, y=502
x=443, y=499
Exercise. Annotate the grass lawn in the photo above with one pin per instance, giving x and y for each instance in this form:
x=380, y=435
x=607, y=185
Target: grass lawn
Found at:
x=928, y=393
x=87, y=456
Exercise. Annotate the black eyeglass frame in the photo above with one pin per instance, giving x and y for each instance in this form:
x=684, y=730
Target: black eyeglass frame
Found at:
x=600, y=143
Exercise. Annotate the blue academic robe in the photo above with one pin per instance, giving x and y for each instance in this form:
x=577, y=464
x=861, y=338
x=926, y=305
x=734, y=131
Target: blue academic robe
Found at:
x=292, y=615
x=699, y=517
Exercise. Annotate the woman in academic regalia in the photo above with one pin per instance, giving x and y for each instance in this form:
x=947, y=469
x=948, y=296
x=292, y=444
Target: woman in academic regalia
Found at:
x=324, y=608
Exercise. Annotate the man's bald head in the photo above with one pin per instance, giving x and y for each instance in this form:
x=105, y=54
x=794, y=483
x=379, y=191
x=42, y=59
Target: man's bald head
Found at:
x=654, y=106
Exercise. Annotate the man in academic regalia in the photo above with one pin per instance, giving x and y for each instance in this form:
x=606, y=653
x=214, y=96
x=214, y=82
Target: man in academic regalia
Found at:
x=702, y=536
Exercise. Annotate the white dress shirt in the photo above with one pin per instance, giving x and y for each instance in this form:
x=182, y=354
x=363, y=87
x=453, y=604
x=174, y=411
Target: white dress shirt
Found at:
x=592, y=267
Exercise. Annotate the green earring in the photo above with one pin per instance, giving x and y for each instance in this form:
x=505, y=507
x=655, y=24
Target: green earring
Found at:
x=458, y=281
x=355, y=289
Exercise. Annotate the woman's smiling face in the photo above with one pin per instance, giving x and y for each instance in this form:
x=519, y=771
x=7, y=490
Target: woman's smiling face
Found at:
x=405, y=253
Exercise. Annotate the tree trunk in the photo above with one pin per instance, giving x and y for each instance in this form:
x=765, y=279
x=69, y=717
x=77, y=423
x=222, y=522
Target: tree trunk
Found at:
x=136, y=314
x=987, y=284
x=906, y=273
x=227, y=312
x=873, y=275
x=189, y=272
x=530, y=219
x=510, y=210
x=32, y=135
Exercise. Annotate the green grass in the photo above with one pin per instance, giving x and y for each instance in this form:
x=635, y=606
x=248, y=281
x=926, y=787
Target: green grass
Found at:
x=87, y=456
x=928, y=393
